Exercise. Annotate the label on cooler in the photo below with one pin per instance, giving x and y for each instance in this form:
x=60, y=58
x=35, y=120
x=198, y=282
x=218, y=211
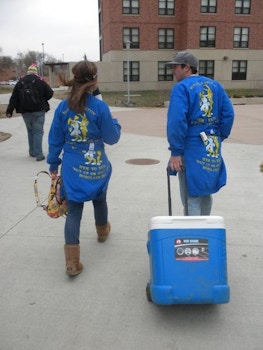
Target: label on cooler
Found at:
x=191, y=249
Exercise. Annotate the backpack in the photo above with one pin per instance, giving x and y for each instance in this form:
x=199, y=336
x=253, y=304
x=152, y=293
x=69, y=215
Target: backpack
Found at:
x=29, y=99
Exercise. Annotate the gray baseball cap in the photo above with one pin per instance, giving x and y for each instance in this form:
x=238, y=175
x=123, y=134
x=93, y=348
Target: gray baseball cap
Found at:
x=184, y=57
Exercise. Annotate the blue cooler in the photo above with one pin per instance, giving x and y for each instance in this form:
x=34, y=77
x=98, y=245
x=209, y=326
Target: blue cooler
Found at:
x=188, y=262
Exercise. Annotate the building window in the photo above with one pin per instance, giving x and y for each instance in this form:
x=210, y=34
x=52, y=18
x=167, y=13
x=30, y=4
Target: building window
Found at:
x=132, y=35
x=207, y=36
x=241, y=37
x=208, y=6
x=165, y=72
x=130, y=7
x=166, y=39
x=166, y=7
x=134, y=71
x=242, y=7
x=239, y=70
x=207, y=68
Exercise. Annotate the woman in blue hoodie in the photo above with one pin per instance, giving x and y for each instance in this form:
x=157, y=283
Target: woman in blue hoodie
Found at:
x=81, y=126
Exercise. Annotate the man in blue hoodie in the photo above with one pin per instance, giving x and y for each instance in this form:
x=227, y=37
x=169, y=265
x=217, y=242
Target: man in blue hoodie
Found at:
x=200, y=116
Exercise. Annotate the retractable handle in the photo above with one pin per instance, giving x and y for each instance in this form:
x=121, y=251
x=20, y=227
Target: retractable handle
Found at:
x=172, y=173
x=169, y=191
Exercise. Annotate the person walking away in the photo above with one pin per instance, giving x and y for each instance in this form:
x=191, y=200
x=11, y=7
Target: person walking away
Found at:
x=200, y=116
x=81, y=127
x=30, y=98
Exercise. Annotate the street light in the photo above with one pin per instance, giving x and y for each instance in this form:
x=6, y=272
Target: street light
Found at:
x=43, y=57
x=128, y=46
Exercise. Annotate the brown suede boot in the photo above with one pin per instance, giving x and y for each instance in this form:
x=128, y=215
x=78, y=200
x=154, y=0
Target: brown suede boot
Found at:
x=103, y=232
x=72, y=253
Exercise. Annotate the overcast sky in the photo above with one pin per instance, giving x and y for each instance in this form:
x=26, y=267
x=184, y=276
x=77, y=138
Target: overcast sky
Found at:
x=68, y=29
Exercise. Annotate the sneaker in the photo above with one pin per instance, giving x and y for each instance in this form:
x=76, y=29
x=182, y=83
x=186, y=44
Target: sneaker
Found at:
x=38, y=159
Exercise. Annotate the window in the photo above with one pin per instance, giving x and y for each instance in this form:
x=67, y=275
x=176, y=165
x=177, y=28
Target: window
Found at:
x=130, y=7
x=132, y=35
x=207, y=36
x=164, y=72
x=134, y=71
x=239, y=70
x=166, y=7
x=241, y=37
x=207, y=68
x=242, y=7
x=166, y=39
x=208, y=6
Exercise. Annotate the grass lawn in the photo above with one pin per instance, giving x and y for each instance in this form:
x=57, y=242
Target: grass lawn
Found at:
x=138, y=98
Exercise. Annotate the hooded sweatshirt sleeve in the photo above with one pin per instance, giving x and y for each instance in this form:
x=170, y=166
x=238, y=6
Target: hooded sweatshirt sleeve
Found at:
x=227, y=116
x=109, y=126
x=56, y=140
x=176, y=120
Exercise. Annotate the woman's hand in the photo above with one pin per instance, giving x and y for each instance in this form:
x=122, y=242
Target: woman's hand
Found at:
x=53, y=174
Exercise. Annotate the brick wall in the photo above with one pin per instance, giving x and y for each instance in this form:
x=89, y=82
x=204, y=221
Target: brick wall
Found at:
x=186, y=22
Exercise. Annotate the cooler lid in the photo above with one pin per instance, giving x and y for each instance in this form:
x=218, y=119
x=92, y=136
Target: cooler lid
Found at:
x=159, y=222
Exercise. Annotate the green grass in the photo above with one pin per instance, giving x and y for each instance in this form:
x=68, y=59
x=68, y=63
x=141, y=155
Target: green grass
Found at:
x=142, y=99
x=4, y=89
x=139, y=98
x=157, y=98
x=244, y=93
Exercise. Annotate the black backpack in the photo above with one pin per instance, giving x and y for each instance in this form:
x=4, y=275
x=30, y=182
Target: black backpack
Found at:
x=29, y=99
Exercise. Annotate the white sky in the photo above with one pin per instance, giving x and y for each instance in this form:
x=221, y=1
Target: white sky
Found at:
x=68, y=29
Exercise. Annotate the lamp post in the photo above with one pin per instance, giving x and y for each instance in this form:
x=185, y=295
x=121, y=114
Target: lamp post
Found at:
x=43, y=58
x=128, y=46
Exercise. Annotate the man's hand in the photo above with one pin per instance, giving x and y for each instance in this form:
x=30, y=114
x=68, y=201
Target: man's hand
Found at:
x=175, y=163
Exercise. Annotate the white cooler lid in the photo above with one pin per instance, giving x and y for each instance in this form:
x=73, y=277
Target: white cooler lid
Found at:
x=185, y=222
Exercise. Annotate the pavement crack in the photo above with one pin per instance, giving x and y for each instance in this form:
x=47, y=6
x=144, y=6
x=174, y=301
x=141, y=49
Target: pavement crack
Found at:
x=17, y=223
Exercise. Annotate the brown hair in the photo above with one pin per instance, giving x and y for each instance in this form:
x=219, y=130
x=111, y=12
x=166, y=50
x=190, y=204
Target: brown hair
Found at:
x=193, y=69
x=84, y=81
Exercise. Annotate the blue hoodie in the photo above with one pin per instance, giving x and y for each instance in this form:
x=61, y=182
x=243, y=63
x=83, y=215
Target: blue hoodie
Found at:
x=86, y=170
x=200, y=104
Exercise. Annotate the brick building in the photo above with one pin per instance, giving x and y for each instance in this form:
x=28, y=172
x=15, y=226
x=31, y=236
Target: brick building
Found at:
x=138, y=36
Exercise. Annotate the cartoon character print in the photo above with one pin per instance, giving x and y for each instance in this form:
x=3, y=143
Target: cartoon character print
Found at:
x=78, y=128
x=206, y=101
x=212, y=146
x=92, y=157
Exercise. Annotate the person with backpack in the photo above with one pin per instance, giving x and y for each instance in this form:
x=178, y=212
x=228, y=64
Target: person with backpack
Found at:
x=30, y=98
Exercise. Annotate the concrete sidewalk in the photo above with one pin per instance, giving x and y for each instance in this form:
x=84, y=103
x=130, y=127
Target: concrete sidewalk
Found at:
x=105, y=307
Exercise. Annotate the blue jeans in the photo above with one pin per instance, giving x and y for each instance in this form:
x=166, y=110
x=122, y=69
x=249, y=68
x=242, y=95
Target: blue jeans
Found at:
x=73, y=219
x=195, y=206
x=35, y=130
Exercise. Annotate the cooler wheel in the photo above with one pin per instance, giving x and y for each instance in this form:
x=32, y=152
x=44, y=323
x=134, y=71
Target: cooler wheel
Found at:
x=148, y=292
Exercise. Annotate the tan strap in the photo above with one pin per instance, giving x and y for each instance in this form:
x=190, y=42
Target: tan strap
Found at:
x=38, y=201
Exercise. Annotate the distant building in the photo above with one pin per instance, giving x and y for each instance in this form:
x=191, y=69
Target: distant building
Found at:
x=138, y=36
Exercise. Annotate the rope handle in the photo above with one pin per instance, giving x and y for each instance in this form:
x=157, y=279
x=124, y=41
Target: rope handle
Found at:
x=36, y=189
x=53, y=190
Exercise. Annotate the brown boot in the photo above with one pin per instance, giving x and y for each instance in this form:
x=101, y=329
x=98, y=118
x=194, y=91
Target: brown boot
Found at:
x=72, y=253
x=103, y=232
